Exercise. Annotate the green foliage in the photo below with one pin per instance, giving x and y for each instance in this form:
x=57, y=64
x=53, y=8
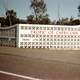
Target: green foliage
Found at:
x=38, y=6
x=2, y=21
x=40, y=16
x=67, y=21
x=75, y=22
x=11, y=18
x=30, y=19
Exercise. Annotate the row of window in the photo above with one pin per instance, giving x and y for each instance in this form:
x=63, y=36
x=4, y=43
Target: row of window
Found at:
x=29, y=35
x=66, y=47
x=56, y=36
x=8, y=30
x=8, y=35
x=66, y=39
x=53, y=39
x=48, y=28
x=68, y=36
x=62, y=40
x=47, y=43
x=50, y=47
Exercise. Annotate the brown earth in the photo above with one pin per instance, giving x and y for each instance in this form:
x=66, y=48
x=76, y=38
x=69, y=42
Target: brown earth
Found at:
x=41, y=63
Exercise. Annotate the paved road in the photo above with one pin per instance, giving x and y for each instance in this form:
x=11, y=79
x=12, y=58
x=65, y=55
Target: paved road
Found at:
x=37, y=68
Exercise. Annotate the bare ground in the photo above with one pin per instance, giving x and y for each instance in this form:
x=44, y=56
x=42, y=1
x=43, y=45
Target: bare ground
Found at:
x=42, y=63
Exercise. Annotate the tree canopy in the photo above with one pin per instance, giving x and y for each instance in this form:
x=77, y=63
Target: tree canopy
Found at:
x=40, y=11
x=11, y=17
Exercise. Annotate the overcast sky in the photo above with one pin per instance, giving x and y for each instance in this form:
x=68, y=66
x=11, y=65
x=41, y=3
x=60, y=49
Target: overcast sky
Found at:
x=67, y=8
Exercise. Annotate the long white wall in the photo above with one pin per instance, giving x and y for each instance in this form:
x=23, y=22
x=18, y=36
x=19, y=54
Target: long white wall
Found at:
x=48, y=36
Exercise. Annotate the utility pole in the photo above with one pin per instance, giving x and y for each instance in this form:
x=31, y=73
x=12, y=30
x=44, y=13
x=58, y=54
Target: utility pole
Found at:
x=58, y=12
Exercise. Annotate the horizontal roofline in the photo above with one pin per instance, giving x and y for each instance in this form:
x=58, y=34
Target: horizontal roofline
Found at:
x=41, y=25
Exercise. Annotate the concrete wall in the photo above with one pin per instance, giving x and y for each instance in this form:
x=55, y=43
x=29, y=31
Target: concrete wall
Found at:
x=8, y=36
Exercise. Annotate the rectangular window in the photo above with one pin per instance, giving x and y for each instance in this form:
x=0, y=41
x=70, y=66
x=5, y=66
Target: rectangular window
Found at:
x=51, y=28
x=44, y=39
x=47, y=43
x=21, y=43
x=36, y=35
x=44, y=43
x=25, y=35
x=54, y=39
x=51, y=36
x=47, y=35
x=40, y=28
x=54, y=43
x=61, y=39
x=55, y=28
x=40, y=35
x=74, y=39
x=29, y=35
x=51, y=43
x=47, y=28
x=22, y=35
x=51, y=39
x=54, y=35
x=29, y=43
x=71, y=43
x=33, y=28
x=22, y=27
x=44, y=35
x=47, y=39
x=29, y=28
x=33, y=35
x=40, y=39
x=25, y=43
x=77, y=39
x=58, y=35
x=71, y=39
x=26, y=28
x=58, y=39
x=58, y=28
x=40, y=43
x=37, y=28
x=44, y=28
x=33, y=43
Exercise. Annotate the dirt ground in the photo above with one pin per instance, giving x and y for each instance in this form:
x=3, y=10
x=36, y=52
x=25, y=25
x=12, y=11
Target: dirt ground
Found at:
x=70, y=56
x=42, y=63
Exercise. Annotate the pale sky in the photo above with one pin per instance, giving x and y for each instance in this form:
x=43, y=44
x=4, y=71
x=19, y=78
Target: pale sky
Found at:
x=67, y=8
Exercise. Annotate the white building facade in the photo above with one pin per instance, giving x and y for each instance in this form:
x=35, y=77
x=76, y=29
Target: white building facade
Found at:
x=46, y=36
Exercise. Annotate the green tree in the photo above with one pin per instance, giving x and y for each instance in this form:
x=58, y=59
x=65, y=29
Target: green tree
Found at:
x=44, y=19
x=39, y=8
x=78, y=11
x=75, y=22
x=11, y=17
x=63, y=21
x=30, y=19
x=2, y=21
